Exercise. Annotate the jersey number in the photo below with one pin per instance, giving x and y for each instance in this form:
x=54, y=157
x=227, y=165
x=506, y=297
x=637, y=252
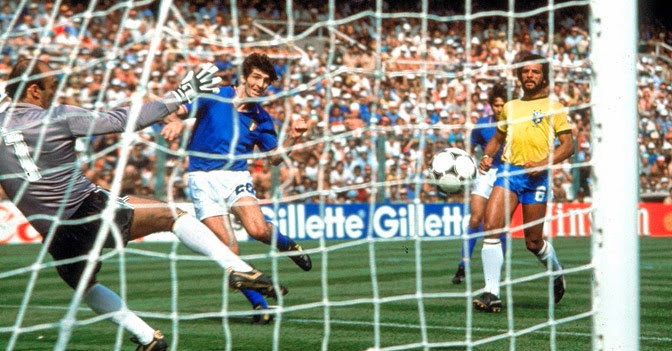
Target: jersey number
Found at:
x=540, y=194
x=245, y=187
x=21, y=150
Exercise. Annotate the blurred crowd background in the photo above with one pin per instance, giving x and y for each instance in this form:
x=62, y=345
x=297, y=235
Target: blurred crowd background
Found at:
x=380, y=101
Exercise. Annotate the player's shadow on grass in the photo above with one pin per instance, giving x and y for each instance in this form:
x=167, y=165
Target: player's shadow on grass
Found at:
x=232, y=320
x=531, y=304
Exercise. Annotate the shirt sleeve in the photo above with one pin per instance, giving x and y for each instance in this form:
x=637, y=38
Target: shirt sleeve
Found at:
x=268, y=140
x=83, y=122
x=189, y=106
x=560, y=119
x=502, y=123
x=475, y=137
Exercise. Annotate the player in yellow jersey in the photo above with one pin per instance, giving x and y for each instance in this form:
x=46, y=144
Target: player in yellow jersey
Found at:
x=528, y=128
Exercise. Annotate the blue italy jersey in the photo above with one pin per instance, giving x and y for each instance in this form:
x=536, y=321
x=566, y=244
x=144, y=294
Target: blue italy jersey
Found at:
x=484, y=129
x=228, y=136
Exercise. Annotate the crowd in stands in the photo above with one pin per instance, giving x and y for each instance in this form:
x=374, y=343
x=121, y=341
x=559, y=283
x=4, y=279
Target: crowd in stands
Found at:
x=377, y=108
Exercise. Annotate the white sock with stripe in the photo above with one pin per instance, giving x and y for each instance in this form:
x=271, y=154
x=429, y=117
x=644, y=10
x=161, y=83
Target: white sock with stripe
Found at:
x=197, y=237
x=493, y=259
x=103, y=300
x=547, y=253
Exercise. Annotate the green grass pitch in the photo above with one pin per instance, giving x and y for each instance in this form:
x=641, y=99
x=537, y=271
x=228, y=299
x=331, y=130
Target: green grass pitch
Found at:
x=347, y=287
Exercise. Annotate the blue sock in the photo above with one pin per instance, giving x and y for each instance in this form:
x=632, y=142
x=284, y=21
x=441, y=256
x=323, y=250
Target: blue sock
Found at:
x=255, y=297
x=282, y=241
x=502, y=238
x=472, y=242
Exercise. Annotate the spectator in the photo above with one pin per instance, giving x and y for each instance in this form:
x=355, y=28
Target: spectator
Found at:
x=399, y=98
x=559, y=192
x=668, y=198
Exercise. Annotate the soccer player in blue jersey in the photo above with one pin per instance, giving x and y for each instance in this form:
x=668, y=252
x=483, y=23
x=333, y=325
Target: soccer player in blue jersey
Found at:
x=482, y=132
x=41, y=176
x=225, y=135
x=528, y=128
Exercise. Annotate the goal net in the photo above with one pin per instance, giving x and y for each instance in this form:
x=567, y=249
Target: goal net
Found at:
x=383, y=85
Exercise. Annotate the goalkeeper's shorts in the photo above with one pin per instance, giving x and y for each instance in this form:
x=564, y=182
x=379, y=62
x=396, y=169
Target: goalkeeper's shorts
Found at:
x=77, y=236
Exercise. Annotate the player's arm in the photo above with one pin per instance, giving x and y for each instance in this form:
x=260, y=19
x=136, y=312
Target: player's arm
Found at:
x=175, y=123
x=296, y=130
x=80, y=121
x=474, y=140
x=193, y=85
x=174, y=126
x=490, y=150
x=566, y=147
x=560, y=153
x=278, y=157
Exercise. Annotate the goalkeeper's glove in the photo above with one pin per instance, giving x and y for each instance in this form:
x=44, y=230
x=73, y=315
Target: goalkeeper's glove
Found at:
x=203, y=82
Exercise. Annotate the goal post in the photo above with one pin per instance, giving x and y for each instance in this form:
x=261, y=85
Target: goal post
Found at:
x=615, y=236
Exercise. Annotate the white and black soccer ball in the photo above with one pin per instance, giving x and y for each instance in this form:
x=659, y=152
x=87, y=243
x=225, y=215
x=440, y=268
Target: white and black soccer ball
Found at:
x=452, y=169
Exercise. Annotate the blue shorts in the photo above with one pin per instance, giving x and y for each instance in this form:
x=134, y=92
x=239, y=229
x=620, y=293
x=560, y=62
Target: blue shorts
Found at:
x=530, y=190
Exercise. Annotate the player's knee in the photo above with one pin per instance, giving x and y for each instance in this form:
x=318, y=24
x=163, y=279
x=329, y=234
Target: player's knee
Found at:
x=72, y=274
x=534, y=245
x=258, y=231
x=475, y=221
x=178, y=214
x=493, y=229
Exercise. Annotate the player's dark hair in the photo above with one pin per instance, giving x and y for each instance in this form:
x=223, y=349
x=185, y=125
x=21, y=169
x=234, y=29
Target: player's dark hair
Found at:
x=545, y=67
x=499, y=90
x=39, y=68
x=261, y=62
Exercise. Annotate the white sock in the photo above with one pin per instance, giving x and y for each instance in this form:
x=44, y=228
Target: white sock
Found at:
x=197, y=237
x=493, y=259
x=103, y=300
x=547, y=253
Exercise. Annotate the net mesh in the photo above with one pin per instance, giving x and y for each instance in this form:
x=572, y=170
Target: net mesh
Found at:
x=416, y=79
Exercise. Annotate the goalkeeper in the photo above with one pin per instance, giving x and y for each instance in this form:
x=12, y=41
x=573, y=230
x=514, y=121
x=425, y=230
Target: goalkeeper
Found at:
x=40, y=174
x=219, y=185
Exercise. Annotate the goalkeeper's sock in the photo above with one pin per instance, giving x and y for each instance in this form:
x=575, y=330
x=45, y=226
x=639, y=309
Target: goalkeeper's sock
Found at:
x=493, y=259
x=255, y=298
x=103, y=300
x=546, y=254
x=471, y=243
x=197, y=237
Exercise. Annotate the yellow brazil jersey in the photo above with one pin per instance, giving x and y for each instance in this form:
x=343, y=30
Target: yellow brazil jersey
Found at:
x=530, y=127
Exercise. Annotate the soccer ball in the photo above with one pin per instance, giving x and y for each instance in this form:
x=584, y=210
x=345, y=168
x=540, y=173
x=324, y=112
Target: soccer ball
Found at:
x=452, y=169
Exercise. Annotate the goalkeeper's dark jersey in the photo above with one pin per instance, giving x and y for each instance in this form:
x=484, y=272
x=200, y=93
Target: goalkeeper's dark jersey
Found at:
x=38, y=169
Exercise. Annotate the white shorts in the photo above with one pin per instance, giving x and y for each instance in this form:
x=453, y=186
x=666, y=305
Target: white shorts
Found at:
x=214, y=192
x=484, y=182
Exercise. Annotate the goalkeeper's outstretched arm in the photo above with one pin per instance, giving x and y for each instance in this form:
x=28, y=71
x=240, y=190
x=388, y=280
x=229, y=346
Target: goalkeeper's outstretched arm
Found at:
x=115, y=121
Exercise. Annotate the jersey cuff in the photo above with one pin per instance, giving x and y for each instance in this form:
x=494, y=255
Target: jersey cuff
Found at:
x=171, y=101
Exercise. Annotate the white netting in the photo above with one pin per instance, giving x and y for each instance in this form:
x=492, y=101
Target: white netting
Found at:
x=384, y=87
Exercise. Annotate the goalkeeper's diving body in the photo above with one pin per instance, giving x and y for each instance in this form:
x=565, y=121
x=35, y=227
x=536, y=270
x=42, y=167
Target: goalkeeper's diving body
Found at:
x=527, y=128
x=40, y=174
x=228, y=127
